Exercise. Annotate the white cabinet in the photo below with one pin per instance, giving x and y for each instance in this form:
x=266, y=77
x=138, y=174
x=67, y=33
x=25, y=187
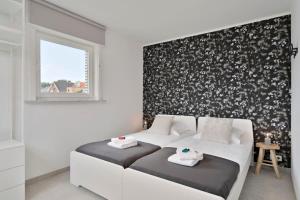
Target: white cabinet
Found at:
x=12, y=170
x=16, y=193
x=11, y=157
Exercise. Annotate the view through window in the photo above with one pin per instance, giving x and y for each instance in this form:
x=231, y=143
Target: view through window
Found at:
x=63, y=69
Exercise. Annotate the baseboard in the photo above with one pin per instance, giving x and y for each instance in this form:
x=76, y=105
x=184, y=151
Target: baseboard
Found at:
x=45, y=176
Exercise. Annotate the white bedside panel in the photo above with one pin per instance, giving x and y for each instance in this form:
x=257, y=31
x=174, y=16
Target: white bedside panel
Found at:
x=11, y=178
x=17, y=193
x=11, y=157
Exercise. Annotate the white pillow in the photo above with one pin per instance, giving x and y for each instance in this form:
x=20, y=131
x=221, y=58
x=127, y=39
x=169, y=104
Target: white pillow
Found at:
x=217, y=130
x=161, y=125
x=235, y=136
x=178, y=128
x=183, y=125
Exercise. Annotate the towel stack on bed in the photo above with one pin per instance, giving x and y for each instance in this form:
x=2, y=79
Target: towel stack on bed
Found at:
x=123, y=142
x=186, y=156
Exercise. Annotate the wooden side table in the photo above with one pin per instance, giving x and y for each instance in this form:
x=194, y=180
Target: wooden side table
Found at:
x=260, y=161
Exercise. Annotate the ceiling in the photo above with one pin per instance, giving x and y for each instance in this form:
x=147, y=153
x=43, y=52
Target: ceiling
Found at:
x=151, y=21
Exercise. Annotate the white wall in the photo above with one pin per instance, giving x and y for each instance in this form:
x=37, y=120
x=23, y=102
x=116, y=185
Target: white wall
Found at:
x=52, y=130
x=296, y=99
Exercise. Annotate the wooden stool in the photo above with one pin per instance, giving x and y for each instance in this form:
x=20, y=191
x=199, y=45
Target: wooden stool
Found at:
x=260, y=161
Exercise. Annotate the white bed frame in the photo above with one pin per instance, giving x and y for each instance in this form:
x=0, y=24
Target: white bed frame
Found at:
x=99, y=176
x=102, y=177
x=113, y=182
x=141, y=186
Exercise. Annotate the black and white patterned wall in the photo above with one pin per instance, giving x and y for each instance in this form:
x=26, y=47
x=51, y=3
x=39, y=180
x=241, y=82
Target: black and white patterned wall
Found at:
x=240, y=72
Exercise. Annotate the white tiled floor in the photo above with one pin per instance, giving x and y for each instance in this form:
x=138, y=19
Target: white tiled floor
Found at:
x=262, y=187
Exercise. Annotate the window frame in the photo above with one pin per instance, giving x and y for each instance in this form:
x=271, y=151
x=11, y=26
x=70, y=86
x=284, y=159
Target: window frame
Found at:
x=70, y=41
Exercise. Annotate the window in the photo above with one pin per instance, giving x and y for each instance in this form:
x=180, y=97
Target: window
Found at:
x=66, y=68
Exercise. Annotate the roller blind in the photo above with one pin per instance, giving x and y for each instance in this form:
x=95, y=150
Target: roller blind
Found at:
x=48, y=15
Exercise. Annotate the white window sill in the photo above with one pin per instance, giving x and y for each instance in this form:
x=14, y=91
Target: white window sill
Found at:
x=65, y=100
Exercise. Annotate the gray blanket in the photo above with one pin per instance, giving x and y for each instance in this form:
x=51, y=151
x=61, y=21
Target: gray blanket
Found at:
x=123, y=157
x=213, y=174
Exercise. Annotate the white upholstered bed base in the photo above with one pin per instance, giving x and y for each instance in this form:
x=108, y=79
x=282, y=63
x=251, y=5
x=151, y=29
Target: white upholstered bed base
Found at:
x=105, y=178
x=99, y=176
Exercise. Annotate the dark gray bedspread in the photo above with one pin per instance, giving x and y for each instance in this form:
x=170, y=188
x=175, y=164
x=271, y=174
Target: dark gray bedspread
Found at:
x=213, y=174
x=123, y=157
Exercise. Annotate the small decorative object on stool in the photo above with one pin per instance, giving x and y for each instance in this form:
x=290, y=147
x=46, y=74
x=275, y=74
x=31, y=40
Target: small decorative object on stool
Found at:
x=268, y=138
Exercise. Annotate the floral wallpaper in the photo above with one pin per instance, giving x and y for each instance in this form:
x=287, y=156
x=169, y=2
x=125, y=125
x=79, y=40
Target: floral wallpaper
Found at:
x=241, y=72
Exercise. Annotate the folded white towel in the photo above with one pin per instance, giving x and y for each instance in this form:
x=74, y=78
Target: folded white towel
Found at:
x=126, y=140
x=176, y=159
x=122, y=146
x=190, y=155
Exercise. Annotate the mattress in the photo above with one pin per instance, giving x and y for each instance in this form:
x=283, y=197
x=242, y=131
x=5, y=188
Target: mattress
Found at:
x=213, y=174
x=123, y=157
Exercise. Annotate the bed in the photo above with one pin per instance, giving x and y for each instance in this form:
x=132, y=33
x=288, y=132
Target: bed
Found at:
x=104, y=176
x=139, y=185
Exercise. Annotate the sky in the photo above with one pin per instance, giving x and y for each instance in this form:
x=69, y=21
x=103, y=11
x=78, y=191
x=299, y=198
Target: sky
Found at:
x=59, y=62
